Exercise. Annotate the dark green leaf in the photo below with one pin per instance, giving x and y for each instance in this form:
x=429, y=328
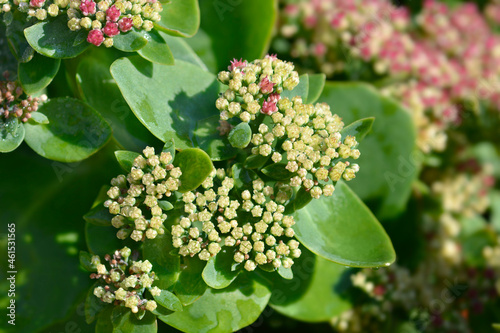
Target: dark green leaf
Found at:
x=180, y=18
x=190, y=285
x=255, y=161
x=388, y=163
x=11, y=134
x=182, y=51
x=300, y=200
x=37, y=73
x=342, y=229
x=316, y=86
x=166, y=266
x=207, y=137
x=302, y=89
x=315, y=292
x=240, y=135
x=131, y=41
x=183, y=95
x=102, y=93
x=15, y=34
x=165, y=205
x=195, y=165
x=473, y=246
x=124, y=321
x=242, y=177
x=233, y=29
x=102, y=240
x=285, y=273
x=75, y=131
x=99, y=215
x=360, y=128
x=126, y=159
x=86, y=261
x=224, y=310
x=169, y=147
x=93, y=305
x=157, y=50
x=54, y=39
x=104, y=323
x=217, y=273
x=277, y=171
x=169, y=301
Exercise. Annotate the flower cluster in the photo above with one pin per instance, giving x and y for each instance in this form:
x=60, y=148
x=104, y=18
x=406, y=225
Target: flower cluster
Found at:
x=250, y=224
x=255, y=87
x=104, y=19
x=447, y=60
x=306, y=138
x=12, y=103
x=135, y=199
x=123, y=281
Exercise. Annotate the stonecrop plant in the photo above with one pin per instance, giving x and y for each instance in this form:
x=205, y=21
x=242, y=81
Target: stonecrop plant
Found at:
x=265, y=165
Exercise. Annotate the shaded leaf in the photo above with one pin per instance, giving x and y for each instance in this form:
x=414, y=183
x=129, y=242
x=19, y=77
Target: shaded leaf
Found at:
x=166, y=266
x=316, y=86
x=126, y=159
x=132, y=41
x=169, y=301
x=240, y=135
x=360, y=128
x=217, y=273
x=196, y=166
x=37, y=73
x=156, y=50
x=12, y=134
x=180, y=18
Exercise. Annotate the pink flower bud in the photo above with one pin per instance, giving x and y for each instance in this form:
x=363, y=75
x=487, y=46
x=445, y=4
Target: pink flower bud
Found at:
x=37, y=3
x=125, y=24
x=113, y=14
x=87, y=7
x=95, y=37
x=111, y=29
x=266, y=86
x=235, y=63
x=274, y=98
x=269, y=108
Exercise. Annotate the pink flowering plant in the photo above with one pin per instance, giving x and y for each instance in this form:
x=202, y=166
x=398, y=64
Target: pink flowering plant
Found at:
x=229, y=165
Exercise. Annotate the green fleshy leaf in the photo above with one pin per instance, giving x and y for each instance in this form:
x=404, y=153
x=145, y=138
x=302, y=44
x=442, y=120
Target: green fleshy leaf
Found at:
x=196, y=166
x=240, y=135
x=302, y=89
x=93, y=305
x=277, y=171
x=97, y=87
x=86, y=261
x=388, y=164
x=12, y=134
x=37, y=74
x=360, y=128
x=38, y=118
x=75, y=131
x=190, y=285
x=165, y=205
x=342, y=229
x=255, y=161
x=180, y=18
x=104, y=323
x=242, y=177
x=102, y=240
x=132, y=41
x=166, y=266
x=207, y=137
x=53, y=38
x=315, y=293
x=285, y=273
x=473, y=245
x=224, y=310
x=230, y=29
x=124, y=321
x=156, y=50
x=15, y=34
x=184, y=94
x=126, y=159
x=300, y=200
x=316, y=86
x=182, y=51
x=169, y=147
x=99, y=215
x=217, y=273
x=169, y=301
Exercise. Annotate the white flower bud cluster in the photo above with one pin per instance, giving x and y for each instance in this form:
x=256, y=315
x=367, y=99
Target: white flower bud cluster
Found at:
x=255, y=87
x=252, y=224
x=133, y=199
x=124, y=281
x=308, y=137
